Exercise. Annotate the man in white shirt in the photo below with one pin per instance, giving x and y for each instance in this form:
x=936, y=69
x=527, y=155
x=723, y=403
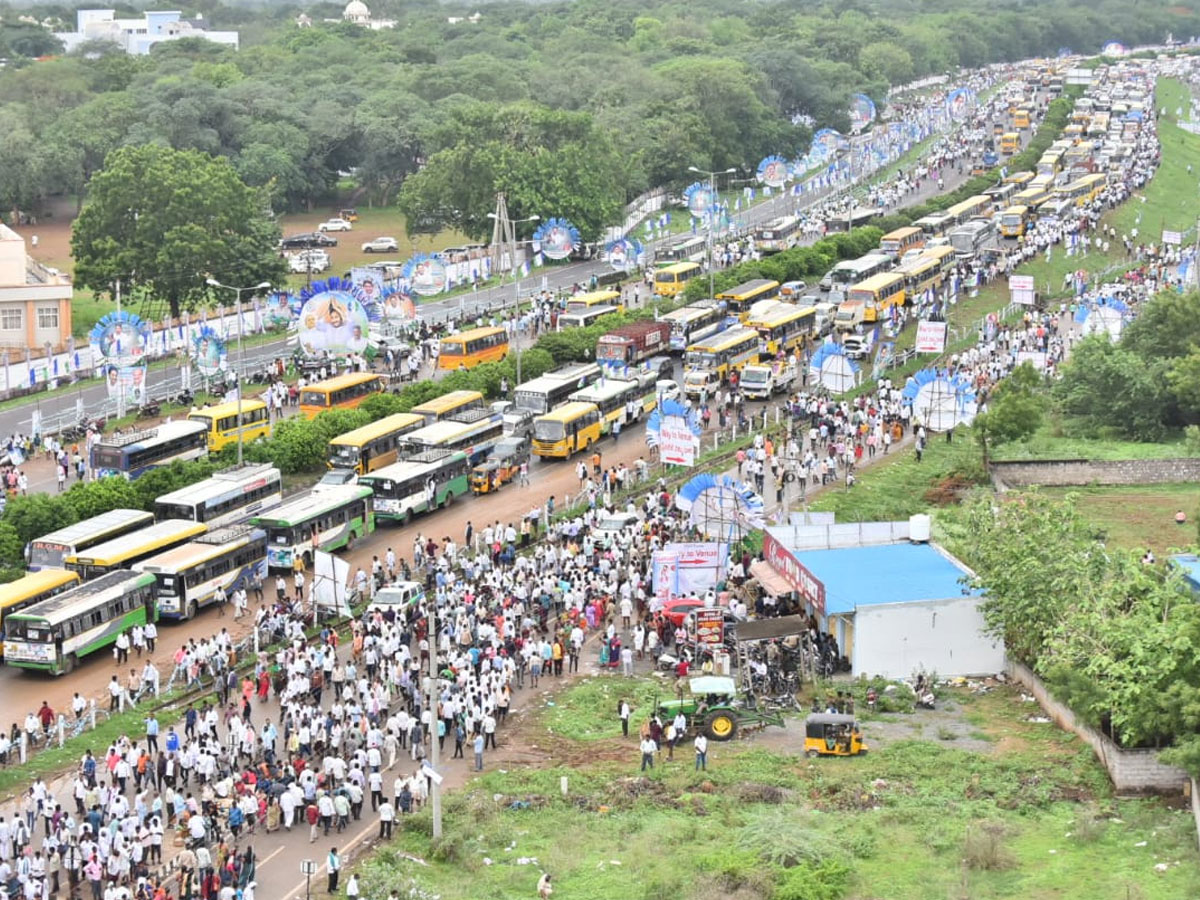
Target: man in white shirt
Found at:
x=648, y=750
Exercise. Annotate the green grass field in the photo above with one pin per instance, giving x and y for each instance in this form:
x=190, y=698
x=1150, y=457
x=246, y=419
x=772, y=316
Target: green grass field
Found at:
x=1139, y=516
x=1048, y=442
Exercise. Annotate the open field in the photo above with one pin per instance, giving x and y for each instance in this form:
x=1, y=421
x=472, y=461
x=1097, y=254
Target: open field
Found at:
x=1027, y=815
x=1049, y=443
x=1139, y=516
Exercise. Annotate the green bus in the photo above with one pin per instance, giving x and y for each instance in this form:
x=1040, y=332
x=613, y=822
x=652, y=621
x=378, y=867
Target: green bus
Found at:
x=425, y=481
x=56, y=634
x=328, y=518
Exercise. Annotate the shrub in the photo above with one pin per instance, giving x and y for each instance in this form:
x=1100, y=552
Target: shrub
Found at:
x=829, y=880
x=984, y=850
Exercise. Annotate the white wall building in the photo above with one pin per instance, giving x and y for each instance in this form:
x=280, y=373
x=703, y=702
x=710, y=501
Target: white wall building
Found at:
x=137, y=36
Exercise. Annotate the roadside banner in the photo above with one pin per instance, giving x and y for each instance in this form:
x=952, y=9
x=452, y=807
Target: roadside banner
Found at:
x=931, y=337
x=1174, y=238
x=1021, y=289
x=710, y=627
x=676, y=443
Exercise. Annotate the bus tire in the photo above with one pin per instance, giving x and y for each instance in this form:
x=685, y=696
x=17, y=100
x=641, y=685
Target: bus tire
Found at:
x=448, y=500
x=350, y=542
x=70, y=661
x=192, y=609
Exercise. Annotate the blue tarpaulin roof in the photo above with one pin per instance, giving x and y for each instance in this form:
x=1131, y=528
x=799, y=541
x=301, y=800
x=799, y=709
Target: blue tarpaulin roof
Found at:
x=884, y=573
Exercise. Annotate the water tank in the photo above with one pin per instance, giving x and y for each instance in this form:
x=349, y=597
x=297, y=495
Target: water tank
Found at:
x=919, y=527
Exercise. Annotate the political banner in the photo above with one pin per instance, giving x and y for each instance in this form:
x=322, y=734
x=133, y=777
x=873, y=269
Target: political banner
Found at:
x=209, y=352
x=862, y=112
x=334, y=319
x=624, y=254
x=699, y=199
x=931, y=337
x=663, y=569
x=425, y=275
x=773, y=171
x=120, y=339
x=127, y=382
x=556, y=239
x=369, y=281
x=960, y=102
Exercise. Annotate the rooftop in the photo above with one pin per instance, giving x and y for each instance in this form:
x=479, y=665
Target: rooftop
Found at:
x=884, y=573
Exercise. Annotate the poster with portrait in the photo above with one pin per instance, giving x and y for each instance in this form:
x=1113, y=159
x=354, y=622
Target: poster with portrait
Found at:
x=369, y=281
x=398, y=305
x=624, y=255
x=862, y=112
x=335, y=318
x=120, y=339
x=209, y=352
x=127, y=382
x=556, y=239
x=960, y=102
x=773, y=171
x=425, y=275
x=281, y=309
x=699, y=199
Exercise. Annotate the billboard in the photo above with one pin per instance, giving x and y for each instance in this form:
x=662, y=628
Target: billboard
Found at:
x=862, y=112
x=931, y=337
x=556, y=239
x=209, y=351
x=334, y=318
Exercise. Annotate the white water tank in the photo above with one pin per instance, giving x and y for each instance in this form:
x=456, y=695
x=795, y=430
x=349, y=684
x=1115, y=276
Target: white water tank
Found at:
x=919, y=527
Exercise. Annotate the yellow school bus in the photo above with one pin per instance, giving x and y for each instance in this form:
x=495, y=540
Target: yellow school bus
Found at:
x=562, y=432
x=783, y=327
x=1020, y=179
x=877, y=294
x=921, y=274
x=1010, y=143
x=1021, y=119
x=340, y=392
x=439, y=407
x=222, y=422
x=595, y=300
x=1012, y=221
x=727, y=351
x=372, y=446
x=1083, y=190
x=944, y=256
x=468, y=349
x=898, y=242
x=739, y=299
x=670, y=280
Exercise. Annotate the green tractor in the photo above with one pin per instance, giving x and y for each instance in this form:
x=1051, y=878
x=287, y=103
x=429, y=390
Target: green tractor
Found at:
x=711, y=705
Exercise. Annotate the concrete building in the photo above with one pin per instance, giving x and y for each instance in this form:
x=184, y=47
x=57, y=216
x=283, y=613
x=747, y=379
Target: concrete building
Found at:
x=137, y=36
x=895, y=608
x=35, y=300
x=357, y=13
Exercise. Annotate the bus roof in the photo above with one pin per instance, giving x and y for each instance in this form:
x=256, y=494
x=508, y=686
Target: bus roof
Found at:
x=341, y=381
x=748, y=289
x=164, y=432
x=541, y=383
x=89, y=595
x=938, y=253
x=593, y=297
x=921, y=264
x=473, y=333
x=35, y=583
x=440, y=431
x=194, y=552
x=867, y=261
x=679, y=268
x=312, y=504
x=568, y=411
x=222, y=483
x=407, y=468
x=901, y=233
x=875, y=282
x=1015, y=210
x=723, y=340
x=602, y=390
x=386, y=425
x=220, y=410
x=439, y=405
x=114, y=518
x=777, y=314
x=691, y=311
x=144, y=540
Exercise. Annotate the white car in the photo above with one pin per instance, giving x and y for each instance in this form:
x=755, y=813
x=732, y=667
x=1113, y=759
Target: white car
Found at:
x=666, y=389
x=312, y=261
x=612, y=524
x=381, y=245
x=335, y=225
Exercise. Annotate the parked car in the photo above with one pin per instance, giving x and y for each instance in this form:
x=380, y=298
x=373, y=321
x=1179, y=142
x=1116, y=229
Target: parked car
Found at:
x=666, y=389
x=335, y=225
x=311, y=261
x=612, y=524
x=380, y=245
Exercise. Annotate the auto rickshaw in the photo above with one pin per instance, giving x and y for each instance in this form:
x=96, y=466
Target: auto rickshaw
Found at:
x=501, y=466
x=350, y=215
x=832, y=734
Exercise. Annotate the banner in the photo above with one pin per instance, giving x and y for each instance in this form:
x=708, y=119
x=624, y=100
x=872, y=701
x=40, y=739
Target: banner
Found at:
x=1172, y=237
x=798, y=577
x=426, y=275
x=1021, y=289
x=773, y=171
x=329, y=579
x=624, y=254
x=862, y=112
x=699, y=565
x=369, y=281
x=209, y=352
x=931, y=337
x=699, y=199
x=556, y=239
x=663, y=574
x=676, y=441
x=334, y=318
x=710, y=627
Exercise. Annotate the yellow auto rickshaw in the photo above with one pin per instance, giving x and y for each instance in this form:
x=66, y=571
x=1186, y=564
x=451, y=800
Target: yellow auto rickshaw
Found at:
x=350, y=215
x=832, y=734
x=502, y=465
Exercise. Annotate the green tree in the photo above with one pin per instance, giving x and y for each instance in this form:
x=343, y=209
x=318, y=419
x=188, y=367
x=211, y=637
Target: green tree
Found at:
x=92, y=498
x=37, y=514
x=1109, y=386
x=158, y=221
x=1014, y=411
x=1183, y=377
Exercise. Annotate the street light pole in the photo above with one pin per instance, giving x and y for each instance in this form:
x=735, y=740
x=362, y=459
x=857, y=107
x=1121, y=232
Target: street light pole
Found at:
x=507, y=223
x=435, y=788
x=261, y=286
x=712, y=193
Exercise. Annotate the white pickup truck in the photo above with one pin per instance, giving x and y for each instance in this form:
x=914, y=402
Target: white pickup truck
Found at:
x=763, y=381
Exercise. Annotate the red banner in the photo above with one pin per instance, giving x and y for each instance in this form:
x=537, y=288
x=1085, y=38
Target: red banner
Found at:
x=804, y=582
x=710, y=627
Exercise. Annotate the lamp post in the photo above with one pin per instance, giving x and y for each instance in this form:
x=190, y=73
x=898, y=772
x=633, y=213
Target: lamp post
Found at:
x=712, y=191
x=238, y=291
x=506, y=228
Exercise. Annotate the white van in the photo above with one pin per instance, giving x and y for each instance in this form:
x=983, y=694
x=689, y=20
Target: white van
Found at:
x=396, y=598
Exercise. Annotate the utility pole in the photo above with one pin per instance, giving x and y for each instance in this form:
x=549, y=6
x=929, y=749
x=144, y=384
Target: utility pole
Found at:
x=435, y=787
x=241, y=366
x=712, y=211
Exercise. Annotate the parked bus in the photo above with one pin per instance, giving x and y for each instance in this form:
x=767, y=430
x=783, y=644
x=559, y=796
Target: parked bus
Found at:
x=693, y=323
x=898, y=242
x=920, y=275
x=221, y=422
x=778, y=234
x=1050, y=163
x=1010, y=143
x=1031, y=198
x=188, y=576
x=540, y=395
x=340, y=392
x=134, y=454
x=878, y=294
x=1043, y=183
x=473, y=432
x=687, y=249
x=630, y=344
x=54, y=635
x=783, y=327
x=943, y=256
x=1083, y=190
x=933, y=225
x=562, y=432
x=582, y=318
x=978, y=206
x=32, y=588
x=122, y=552
x=671, y=280
x=328, y=519
x=852, y=271
x=372, y=446
x=1021, y=119
x=468, y=349
x=1020, y=179
x=729, y=351
x=225, y=498
x=1013, y=221
x=595, y=300
x=739, y=299
x=424, y=482
x=1000, y=195
x=51, y=551
x=617, y=400
x=439, y=407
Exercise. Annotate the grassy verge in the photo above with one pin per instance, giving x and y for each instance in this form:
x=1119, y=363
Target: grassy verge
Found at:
x=1048, y=442
x=1138, y=517
x=903, y=822
x=588, y=711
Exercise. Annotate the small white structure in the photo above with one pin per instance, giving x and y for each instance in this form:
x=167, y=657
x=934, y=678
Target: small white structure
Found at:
x=358, y=13
x=137, y=36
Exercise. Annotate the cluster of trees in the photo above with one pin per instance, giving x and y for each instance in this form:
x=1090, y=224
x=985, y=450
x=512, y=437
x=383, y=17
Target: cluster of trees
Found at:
x=1145, y=385
x=604, y=98
x=1115, y=639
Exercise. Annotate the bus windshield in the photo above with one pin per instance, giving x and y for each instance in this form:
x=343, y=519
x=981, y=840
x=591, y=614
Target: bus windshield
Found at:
x=548, y=430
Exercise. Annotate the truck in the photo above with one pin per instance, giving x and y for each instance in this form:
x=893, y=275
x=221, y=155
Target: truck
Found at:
x=761, y=382
x=698, y=381
x=849, y=314
x=630, y=344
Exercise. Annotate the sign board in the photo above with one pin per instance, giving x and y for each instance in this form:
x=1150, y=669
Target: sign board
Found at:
x=1021, y=288
x=698, y=566
x=429, y=772
x=804, y=582
x=931, y=337
x=676, y=442
x=664, y=570
x=1172, y=237
x=710, y=627
x=308, y=867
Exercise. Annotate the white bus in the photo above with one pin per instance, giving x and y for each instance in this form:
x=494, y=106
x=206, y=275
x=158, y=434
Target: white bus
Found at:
x=50, y=551
x=693, y=323
x=225, y=498
x=420, y=484
x=777, y=235
x=123, y=552
x=136, y=453
x=188, y=576
x=852, y=271
x=474, y=432
x=328, y=520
